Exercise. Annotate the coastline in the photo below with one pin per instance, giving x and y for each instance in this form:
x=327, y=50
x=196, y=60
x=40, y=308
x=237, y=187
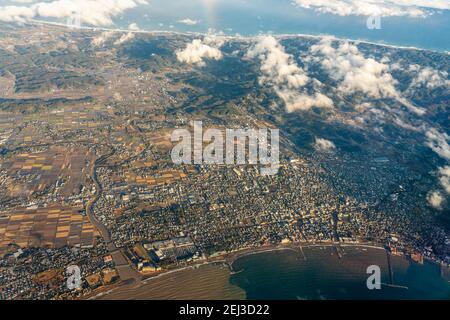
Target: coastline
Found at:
x=163, y=280
x=227, y=259
x=240, y=37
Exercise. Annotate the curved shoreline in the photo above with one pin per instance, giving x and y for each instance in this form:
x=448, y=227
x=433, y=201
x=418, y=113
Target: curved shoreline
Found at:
x=229, y=259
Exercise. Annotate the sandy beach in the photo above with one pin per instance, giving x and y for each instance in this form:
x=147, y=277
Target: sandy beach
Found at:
x=210, y=279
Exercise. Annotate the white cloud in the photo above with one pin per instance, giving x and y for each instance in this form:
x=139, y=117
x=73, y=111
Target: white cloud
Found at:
x=324, y=145
x=301, y=101
x=91, y=12
x=444, y=178
x=356, y=73
x=385, y=8
x=189, y=22
x=196, y=51
x=124, y=38
x=405, y=125
x=277, y=66
x=280, y=71
x=102, y=38
x=16, y=14
x=429, y=77
x=435, y=199
x=133, y=27
x=438, y=142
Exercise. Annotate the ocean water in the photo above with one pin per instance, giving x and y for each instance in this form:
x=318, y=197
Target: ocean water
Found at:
x=323, y=275
x=253, y=17
x=287, y=275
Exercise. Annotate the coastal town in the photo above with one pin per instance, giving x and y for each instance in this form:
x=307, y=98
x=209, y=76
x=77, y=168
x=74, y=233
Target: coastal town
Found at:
x=87, y=179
